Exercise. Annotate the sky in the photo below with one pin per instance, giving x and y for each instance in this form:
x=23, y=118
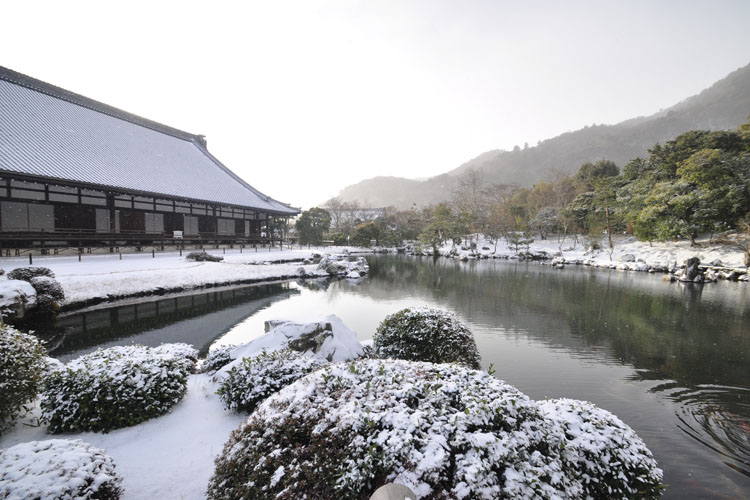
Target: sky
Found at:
x=302, y=98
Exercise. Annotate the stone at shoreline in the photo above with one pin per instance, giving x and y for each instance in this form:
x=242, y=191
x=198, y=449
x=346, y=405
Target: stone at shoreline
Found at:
x=628, y=257
x=692, y=270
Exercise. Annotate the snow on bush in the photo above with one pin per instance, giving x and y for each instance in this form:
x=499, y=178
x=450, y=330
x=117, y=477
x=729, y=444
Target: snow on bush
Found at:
x=425, y=334
x=217, y=358
x=116, y=387
x=328, y=338
x=255, y=378
x=203, y=257
x=445, y=431
x=22, y=366
x=603, y=450
x=58, y=469
x=44, y=285
x=28, y=273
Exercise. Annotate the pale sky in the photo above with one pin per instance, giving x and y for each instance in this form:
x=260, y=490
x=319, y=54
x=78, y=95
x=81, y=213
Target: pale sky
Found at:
x=302, y=98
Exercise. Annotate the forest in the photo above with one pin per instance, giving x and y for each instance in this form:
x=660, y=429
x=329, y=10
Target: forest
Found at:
x=696, y=184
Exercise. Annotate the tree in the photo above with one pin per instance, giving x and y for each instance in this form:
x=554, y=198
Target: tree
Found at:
x=546, y=221
x=441, y=227
x=312, y=225
x=365, y=233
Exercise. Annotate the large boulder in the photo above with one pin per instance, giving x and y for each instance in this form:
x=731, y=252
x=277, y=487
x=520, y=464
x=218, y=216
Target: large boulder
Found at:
x=16, y=297
x=329, y=339
x=692, y=271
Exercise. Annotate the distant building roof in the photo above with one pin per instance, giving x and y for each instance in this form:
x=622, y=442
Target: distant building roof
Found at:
x=50, y=132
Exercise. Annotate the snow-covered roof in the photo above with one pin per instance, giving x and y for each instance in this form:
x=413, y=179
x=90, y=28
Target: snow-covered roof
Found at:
x=46, y=131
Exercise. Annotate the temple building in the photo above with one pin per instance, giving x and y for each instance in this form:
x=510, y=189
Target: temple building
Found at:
x=78, y=173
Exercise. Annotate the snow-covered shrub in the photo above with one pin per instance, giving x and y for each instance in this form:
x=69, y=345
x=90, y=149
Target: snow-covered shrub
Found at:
x=255, y=378
x=203, y=257
x=44, y=285
x=22, y=366
x=27, y=273
x=179, y=351
x=57, y=469
x=607, y=455
x=443, y=430
x=115, y=387
x=217, y=358
x=425, y=334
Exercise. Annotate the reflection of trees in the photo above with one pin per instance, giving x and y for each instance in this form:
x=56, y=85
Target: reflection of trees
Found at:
x=666, y=331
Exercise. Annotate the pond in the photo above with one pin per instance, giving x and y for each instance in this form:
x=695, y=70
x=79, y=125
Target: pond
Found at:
x=671, y=360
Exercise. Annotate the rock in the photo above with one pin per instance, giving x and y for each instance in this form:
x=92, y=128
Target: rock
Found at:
x=301, y=272
x=328, y=338
x=692, y=270
x=669, y=277
x=16, y=297
x=717, y=263
x=628, y=257
x=393, y=491
x=353, y=275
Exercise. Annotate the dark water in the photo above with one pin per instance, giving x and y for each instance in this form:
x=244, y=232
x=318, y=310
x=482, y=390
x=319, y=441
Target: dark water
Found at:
x=672, y=361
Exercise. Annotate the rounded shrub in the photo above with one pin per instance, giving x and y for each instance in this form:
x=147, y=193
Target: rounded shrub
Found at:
x=116, y=387
x=44, y=285
x=28, y=273
x=217, y=359
x=255, y=378
x=22, y=367
x=426, y=334
x=443, y=430
x=58, y=468
x=607, y=455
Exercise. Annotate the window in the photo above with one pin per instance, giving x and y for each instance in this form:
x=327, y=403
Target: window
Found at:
x=93, y=197
x=16, y=216
x=190, y=225
x=143, y=203
x=226, y=227
x=164, y=206
x=154, y=223
x=102, y=220
x=63, y=194
x=124, y=201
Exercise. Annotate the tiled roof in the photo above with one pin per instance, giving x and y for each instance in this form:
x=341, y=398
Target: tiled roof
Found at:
x=49, y=132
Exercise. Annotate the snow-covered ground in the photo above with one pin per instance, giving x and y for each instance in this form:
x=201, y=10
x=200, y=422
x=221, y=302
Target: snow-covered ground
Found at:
x=107, y=276
x=662, y=254
x=170, y=457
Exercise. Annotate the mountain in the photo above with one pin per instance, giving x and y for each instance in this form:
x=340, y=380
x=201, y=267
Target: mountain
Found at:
x=723, y=106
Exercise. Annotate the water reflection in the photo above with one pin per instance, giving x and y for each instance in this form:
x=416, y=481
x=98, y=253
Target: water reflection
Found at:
x=196, y=319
